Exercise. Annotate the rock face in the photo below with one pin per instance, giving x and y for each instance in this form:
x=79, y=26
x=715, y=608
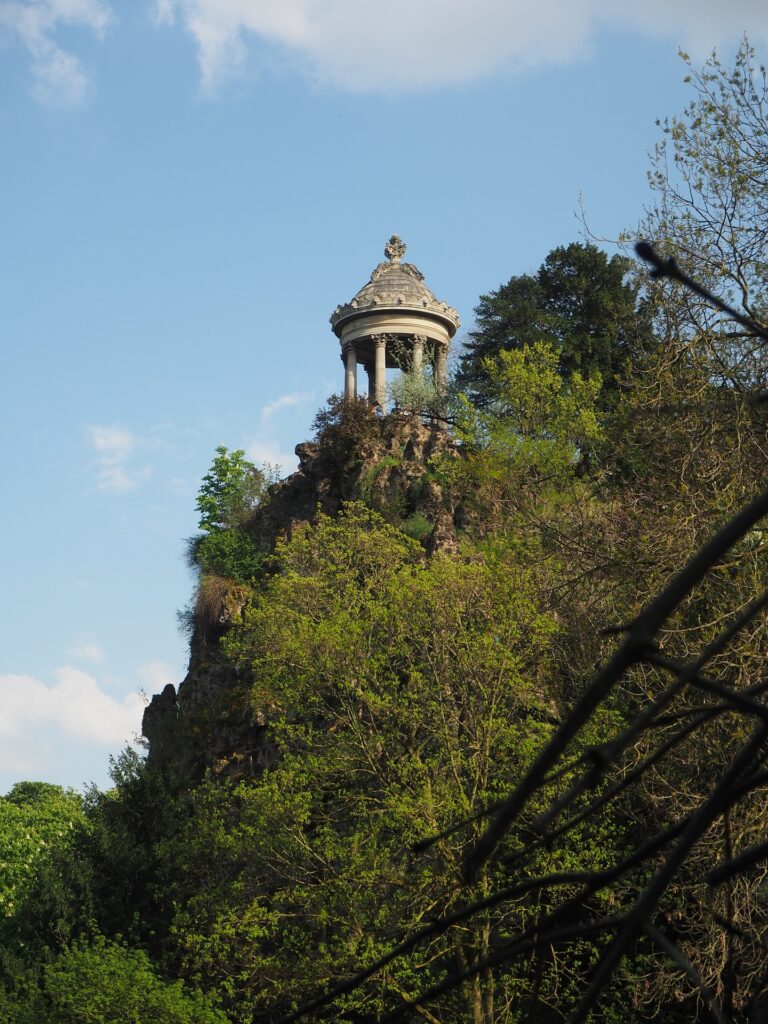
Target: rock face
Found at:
x=209, y=725
x=391, y=469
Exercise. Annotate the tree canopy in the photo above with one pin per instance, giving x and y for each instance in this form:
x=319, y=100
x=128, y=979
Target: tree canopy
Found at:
x=708, y=180
x=580, y=301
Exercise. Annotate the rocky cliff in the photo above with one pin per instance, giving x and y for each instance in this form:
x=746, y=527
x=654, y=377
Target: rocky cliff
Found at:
x=395, y=465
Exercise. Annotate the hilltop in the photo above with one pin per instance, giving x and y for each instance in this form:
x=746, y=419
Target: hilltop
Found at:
x=391, y=464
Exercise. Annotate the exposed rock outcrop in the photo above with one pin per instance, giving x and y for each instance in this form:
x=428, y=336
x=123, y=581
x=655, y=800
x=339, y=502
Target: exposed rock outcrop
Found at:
x=395, y=468
x=392, y=469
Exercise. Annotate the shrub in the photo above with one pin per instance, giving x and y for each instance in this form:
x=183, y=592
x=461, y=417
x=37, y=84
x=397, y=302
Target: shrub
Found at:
x=102, y=982
x=342, y=427
x=416, y=392
x=230, y=492
x=229, y=553
x=231, y=489
x=418, y=526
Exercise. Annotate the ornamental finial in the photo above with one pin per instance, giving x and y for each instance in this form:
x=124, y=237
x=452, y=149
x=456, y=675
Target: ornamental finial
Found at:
x=394, y=250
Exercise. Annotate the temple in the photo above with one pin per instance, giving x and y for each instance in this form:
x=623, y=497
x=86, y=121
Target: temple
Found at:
x=394, y=321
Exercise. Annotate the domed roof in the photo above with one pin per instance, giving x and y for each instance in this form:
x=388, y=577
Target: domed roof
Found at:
x=394, y=286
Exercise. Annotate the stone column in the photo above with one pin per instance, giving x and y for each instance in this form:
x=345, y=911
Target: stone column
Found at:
x=380, y=369
x=350, y=376
x=418, y=354
x=371, y=383
x=441, y=369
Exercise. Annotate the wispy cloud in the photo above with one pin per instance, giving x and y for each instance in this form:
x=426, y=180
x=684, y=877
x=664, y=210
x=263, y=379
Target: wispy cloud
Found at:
x=115, y=447
x=58, y=75
x=164, y=11
x=86, y=650
x=271, y=409
x=264, y=448
x=112, y=442
x=260, y=450
x=444, y=42
x=75, y=705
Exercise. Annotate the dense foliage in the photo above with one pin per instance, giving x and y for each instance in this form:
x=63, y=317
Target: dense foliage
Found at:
x=36, y=820
x=230, y=492
x=579, y=301
x=102, y=982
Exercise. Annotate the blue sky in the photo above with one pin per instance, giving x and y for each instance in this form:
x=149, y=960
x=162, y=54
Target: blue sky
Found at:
x=187, y=190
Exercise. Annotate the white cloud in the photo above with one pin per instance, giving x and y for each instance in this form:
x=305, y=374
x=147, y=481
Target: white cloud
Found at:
x=87, y=650
x=59, y=78
x=156, y=675
x=164, y=11
x=112, y=442
x=265, y=449
x=260, y=450
x=697, y=25
x=74, y=705
x=297, y=398
x=417, y=44
x=114, y=447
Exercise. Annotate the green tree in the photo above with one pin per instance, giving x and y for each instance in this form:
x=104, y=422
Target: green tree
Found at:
x=341, y=428
x=579, y=301
x=531, y=475
x=415, y=391
x=402, y=695
x=681, y=454
x=676, y=456
x=38, y=823
x=231, y=489
x=524, y=455
x=128, y=823
x=230, y=492
x=100, y=982
x=533, y=418
x=684, y=449
x=708, y=177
